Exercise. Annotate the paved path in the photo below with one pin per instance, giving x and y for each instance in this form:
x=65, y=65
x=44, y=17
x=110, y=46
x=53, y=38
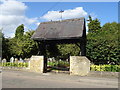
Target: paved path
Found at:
x=22, y=79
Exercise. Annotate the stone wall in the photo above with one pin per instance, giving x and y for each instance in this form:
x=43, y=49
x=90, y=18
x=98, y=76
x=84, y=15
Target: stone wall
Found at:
x=37, y=64
x=79, y=65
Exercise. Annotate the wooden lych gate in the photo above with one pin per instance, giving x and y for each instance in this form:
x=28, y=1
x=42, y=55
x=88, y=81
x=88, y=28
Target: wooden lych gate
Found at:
x=60, y=32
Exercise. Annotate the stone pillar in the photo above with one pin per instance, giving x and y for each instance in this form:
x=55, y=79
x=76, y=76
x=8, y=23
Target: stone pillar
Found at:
x=37, y=64
x=79, y=65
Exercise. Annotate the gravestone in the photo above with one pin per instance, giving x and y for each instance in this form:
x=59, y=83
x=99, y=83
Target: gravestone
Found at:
x=4, y=60
x=26, y=60
x=16, y=60
x=21, y=60
x=37, y=64
x=11, y=59
x=79, y=65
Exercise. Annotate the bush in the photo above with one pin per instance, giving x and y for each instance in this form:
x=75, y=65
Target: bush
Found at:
x=59, y=63
x=14, y=64
x=112, y=68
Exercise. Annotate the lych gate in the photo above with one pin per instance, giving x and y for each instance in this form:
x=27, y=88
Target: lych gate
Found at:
x=65, y=31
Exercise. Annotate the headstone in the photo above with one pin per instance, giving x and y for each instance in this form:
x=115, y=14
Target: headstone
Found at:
x=16, y=60
x=79, y=65
x=26, y=59
x=53, y=59
x=67, y=60
x=4, y=60
x=60, y=60
x=21, y=60
x=11, y=59
x=37, y=64
x=49, y=59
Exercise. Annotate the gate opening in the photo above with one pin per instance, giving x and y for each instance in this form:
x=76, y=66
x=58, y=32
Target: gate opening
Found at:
x=58, y=65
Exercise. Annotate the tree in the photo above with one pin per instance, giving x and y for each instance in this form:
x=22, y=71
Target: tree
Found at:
x=62, y=51
x=93, y=25
x=24, y=47
x=19, y=46
x=68, y=49
x=29, y=46
x=19, y=31
x=5, y=48
x=102, y=47
x=90, y=18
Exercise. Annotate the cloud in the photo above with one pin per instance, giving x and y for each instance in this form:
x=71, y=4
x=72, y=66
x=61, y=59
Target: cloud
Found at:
x=67, y=14
x=12, y=15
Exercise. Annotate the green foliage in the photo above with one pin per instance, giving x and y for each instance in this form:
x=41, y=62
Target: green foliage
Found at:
x=20, y=46
x=8, y=64
x=59, y=64
x=62, y=51
x=23, y=47
x=90, y=19
x=63, y=64
x=113, y=68
x=5, y=48
x=102, y=47
x=68, y=49
x=52, y=51
x=19, y=31
x=93, y=25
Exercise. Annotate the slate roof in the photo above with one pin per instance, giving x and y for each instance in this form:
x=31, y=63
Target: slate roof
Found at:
x=65, y=29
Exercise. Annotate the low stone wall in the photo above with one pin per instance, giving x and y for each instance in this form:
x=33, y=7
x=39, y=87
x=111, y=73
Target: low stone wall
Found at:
x=79, y=65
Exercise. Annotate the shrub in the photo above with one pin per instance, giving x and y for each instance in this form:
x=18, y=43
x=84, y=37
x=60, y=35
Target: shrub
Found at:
x=14, y=64
x=112, y=68
x=59, y=63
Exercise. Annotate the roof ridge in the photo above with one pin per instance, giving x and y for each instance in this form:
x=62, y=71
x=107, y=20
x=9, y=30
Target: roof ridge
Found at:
x=75, y=19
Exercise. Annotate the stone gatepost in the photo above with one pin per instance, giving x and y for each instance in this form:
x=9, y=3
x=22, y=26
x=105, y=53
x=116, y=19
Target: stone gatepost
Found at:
x=79, y=65
x=37, y=64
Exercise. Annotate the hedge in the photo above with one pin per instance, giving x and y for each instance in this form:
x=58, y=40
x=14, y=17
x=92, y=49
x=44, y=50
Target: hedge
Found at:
x=14, y=64
x=112, y=68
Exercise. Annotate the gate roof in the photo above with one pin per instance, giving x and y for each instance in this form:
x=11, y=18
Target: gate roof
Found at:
x=58, y=30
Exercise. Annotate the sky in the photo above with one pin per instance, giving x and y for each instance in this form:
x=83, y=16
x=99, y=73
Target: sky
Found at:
x=14, y=13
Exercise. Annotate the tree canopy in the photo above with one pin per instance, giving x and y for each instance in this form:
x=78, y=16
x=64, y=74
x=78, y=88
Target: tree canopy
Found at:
x=19, y=31
x=94, y=25
x=102, y=47
x=20, y=46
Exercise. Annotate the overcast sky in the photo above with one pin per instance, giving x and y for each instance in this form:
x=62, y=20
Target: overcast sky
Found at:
x=14, y=13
